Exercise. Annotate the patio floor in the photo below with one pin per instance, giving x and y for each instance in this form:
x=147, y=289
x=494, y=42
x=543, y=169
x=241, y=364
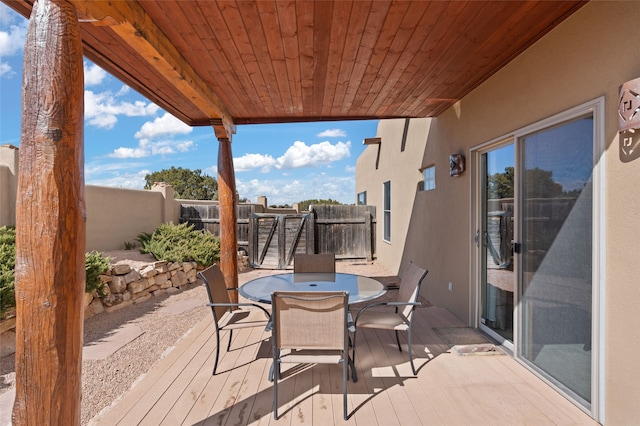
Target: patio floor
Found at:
x=449, y=389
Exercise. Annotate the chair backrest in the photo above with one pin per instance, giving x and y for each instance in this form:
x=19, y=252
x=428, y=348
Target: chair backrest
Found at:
x=314, y=262
x=310, y=320
x=216, y=288
x=410, y=283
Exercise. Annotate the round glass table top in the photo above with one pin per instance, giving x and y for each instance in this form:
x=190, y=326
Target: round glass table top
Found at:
x=361, y=289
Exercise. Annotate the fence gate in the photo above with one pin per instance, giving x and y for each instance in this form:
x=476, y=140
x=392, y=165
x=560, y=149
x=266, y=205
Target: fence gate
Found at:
x=277, y=237
x=207, y=217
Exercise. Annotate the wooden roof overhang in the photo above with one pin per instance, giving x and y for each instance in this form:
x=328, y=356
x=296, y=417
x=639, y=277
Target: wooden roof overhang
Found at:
x=220, y=64
x=269, y=61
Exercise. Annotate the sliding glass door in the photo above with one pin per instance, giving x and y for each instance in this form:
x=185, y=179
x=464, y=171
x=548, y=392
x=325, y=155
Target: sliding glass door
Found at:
x=556, y=267
x=536, y=248
x=495, y=241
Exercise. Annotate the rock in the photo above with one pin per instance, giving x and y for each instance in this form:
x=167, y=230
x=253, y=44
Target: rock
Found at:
x=187, y=266
x=118, y=284
x=87, y=298
x=175, y=266
x=172, y=290
x=148, y=272
x=120, y=269
x=118, y=306
x=179, y=279
x=132, y=276
x=161, y=280
x=97, y=306
x=137, y=286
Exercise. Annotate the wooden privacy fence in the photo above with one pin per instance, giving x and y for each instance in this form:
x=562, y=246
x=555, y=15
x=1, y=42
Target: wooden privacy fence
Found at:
x=272, y=239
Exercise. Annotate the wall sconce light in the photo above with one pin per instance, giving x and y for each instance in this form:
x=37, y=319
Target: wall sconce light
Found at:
x=456, y=164
x=629, y=120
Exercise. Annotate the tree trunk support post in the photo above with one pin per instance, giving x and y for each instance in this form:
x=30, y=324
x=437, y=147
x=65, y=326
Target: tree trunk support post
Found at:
x=50, y=221
x=228, y=211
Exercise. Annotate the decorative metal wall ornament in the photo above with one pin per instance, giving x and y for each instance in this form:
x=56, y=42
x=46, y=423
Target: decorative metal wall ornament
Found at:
x=456, y=164
x=629, y=120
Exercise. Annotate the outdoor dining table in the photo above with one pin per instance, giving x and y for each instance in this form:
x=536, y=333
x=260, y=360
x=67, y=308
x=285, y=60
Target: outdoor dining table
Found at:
x=360, y=288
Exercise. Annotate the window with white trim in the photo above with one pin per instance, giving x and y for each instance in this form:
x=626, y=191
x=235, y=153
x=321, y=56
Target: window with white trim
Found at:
x=387, y=211
x=429, y=178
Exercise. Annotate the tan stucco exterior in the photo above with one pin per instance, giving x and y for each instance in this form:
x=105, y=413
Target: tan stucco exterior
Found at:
x=8, y=184
x=585, y=58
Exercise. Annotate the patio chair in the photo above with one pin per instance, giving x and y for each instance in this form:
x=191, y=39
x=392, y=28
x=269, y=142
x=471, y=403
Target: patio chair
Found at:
x=310, y=327
x=396, y=316
x=314, y=262
x=225, y=316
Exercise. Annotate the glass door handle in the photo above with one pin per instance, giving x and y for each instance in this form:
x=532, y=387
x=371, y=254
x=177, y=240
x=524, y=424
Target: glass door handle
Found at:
x=517, y=247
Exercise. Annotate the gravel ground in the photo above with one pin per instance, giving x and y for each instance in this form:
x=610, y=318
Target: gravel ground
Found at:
x=104, y=381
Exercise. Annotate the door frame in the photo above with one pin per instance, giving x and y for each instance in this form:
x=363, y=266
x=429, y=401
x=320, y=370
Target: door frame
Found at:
x=597, y=108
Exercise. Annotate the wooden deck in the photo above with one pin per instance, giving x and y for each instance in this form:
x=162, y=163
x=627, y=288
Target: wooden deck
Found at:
x=450, y=389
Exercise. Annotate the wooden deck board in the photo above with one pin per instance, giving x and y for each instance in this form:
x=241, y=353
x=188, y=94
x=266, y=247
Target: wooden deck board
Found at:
x=449, y=389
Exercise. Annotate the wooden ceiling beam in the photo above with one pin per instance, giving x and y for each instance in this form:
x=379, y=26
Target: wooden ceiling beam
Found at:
x=132, y=24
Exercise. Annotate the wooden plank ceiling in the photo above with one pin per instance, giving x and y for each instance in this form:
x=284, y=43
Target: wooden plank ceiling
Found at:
x=280, y=61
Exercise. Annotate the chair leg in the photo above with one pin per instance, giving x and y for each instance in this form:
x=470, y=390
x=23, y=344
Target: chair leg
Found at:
x=353, y=350
x=398, y=341
x=345, y=366
x=230, y=338
x=215, y=364
x=275, y=391
x=354, y=375
x=413, y=367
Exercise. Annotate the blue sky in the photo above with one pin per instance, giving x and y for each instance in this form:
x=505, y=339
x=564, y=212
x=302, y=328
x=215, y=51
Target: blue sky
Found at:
x=126, y=137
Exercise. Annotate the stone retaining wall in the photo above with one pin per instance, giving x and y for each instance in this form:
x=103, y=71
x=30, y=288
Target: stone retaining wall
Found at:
x=125, y=284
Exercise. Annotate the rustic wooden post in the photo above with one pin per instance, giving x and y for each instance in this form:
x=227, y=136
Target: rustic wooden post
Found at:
x=228, y=216
x=50, y=221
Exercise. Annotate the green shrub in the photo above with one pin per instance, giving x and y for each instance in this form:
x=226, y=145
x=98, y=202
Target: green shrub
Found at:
x=95, y=264
x=7, y=267
x=181, y=243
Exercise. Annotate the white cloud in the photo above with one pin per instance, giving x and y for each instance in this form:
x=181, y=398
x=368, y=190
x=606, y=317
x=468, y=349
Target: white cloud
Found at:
x=148, y=145
x=5, y=69
x=129, y=180
x=300, y=155
x=297, y=156
x=12, y=37
x=332, y=133
x=100, y=167
x=254, y=161
x=102, y=109
x=124, y=152
x=285, y=191
x=93, y=74
x=147, y=148
x=162, y=126
x=350, y=169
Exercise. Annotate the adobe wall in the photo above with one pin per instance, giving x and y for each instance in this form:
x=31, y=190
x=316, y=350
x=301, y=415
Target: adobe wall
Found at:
x=8, y=184
x=585, y=58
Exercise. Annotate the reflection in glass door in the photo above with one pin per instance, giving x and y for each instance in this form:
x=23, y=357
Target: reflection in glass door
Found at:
x=496, y=236
x=556, y=261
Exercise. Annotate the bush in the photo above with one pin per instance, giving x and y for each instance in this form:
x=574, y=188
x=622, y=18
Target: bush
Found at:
x=7, y=267
x=181, y=243
x=95, y=264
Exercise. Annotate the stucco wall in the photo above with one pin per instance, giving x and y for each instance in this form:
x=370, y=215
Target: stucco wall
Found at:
x=8, y=184
x=586, y=57
x=116, y=216
x=403, y=169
